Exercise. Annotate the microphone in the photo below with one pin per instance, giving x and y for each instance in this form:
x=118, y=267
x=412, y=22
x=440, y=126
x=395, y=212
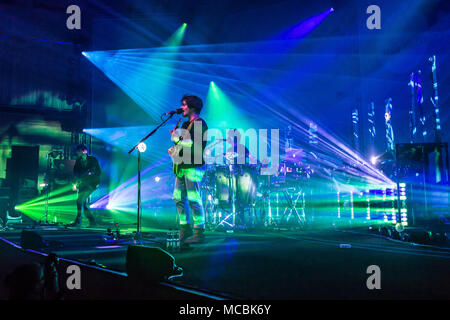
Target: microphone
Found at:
x=178, y=111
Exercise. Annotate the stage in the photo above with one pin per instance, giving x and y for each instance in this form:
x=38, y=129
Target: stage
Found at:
x=293, y=150
x=279, y=265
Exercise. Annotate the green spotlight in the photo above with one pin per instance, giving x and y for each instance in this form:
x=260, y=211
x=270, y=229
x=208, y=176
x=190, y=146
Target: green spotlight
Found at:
x=41, y=199
x=221, y=112
x=177, y=37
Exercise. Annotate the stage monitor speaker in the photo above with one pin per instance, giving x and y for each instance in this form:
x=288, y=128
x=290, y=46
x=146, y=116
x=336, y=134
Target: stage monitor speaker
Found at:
x=4, y=203
x=149, y=264
x=31, y=240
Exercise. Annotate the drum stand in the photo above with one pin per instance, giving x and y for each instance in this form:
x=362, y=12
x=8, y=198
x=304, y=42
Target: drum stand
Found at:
x=268, y=218
x=210, y=207
x=292, y=207
x=49, y=181
x=232, y=192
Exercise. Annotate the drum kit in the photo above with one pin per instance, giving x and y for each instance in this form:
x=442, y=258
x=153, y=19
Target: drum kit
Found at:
x=239, y=197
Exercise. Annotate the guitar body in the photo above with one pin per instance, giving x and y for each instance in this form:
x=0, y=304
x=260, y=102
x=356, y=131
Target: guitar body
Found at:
x=83, y=182
x=174, y=150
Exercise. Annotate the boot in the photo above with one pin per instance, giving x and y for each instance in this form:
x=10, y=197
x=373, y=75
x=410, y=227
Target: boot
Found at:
x=185, y=232
x=199, y=236
x=92, y=223
x=75, y=224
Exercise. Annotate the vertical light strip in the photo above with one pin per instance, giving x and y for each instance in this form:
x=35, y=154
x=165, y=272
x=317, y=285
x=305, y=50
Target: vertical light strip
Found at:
x=403, y=204
x=339, y=205
x=351, y=205
x=368, y=204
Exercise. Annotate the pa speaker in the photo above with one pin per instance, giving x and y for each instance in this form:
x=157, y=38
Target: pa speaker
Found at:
x=31, y=240
x=25, y=162
x=149, y=264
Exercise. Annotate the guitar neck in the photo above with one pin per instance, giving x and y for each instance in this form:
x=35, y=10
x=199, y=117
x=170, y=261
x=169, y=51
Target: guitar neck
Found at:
x=178, y=124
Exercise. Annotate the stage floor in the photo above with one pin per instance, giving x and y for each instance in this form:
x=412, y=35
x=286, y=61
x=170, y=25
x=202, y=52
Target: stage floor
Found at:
x=283, y=264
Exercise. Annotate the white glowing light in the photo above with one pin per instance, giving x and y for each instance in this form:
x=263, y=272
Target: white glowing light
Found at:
x=374, y=160
x=142, y=147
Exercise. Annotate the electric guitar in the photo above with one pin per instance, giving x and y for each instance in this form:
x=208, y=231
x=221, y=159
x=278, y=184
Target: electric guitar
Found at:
x=175, y=149
x=84, y=181
x=89, y=178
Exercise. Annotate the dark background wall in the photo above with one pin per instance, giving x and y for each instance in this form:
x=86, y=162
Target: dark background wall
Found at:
x=337, y=67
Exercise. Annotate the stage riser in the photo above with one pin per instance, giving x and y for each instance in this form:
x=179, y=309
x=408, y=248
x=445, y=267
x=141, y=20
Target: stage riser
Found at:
x=96, y=284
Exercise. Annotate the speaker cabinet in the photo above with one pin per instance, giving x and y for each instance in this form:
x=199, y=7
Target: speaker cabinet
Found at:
x=149, y=264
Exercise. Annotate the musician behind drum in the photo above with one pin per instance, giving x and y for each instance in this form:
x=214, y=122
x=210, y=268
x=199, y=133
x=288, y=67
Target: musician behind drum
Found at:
x=87, y=178
x=237, y=153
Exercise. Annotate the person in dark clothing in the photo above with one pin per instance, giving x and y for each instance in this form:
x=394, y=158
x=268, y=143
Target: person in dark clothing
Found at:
x=87, y=178
x=237, y=153
x=189, y=171
x=34, y=281
x=26, y=282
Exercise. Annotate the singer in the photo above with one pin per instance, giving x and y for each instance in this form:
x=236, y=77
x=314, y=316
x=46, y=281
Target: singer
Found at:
x=189, y=172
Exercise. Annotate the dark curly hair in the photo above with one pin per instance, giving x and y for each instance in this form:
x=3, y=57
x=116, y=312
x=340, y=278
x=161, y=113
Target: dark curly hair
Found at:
x=193, y=102
x=81, y=147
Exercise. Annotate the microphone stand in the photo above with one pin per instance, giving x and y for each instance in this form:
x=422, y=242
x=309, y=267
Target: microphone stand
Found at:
x=49, y=180
x=138, y=236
